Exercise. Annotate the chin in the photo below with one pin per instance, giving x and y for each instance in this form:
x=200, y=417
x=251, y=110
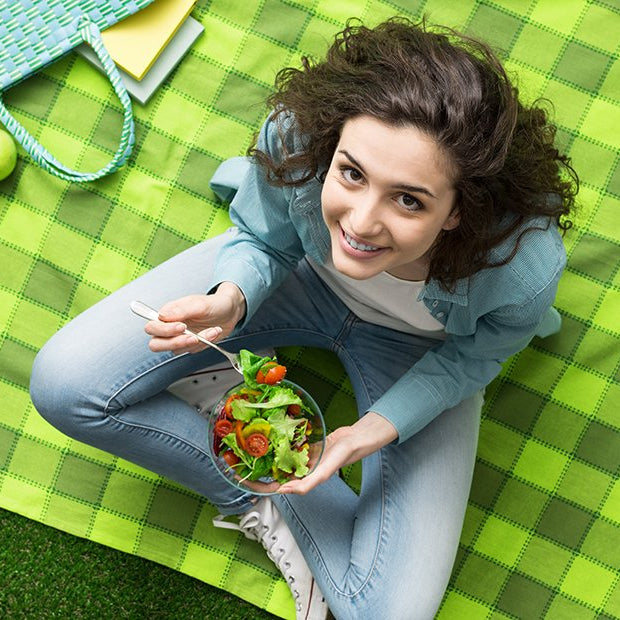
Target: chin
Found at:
x=356, y=275
x=355, y=271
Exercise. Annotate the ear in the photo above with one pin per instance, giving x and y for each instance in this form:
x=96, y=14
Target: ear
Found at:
x=453, y=220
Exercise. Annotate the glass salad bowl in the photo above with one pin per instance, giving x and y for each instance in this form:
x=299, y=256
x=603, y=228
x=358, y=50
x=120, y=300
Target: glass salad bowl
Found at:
x=265, y=436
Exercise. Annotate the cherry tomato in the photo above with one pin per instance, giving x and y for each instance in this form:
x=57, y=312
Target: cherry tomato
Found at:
x=264, y=371
x=294, y=410
x=230, y=457
x=238, y=432
x=256, y=444
x=222, y=427
x=271, y=373
x=228, y=403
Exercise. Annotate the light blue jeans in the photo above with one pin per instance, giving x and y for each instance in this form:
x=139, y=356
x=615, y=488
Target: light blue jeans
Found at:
x=387, y=553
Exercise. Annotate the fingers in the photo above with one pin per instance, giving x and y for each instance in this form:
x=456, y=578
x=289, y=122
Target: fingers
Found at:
x=314, y=453
x=179, y=344
x=194, y=345
x=188, y=307
x=212, y=333
x=176, y=318
x=172, y=337
x=159, y=329
x=301, y=486
x=261, y=487
x=167, y=336
x=337, y=454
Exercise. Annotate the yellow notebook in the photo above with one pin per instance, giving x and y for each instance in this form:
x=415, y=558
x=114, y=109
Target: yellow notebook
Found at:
x=135, y=43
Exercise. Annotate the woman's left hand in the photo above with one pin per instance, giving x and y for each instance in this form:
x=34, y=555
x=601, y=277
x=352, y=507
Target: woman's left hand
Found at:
x=344, y=446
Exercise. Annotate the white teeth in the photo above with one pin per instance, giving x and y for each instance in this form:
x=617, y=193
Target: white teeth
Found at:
x=359, y=246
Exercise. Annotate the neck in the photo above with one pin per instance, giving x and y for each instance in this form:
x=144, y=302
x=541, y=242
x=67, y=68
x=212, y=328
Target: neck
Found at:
x=416, y=271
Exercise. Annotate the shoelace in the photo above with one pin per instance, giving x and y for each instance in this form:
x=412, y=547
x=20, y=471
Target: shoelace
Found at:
x=249, y=526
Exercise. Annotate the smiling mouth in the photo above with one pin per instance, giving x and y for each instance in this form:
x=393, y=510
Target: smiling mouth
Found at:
x=357, y=245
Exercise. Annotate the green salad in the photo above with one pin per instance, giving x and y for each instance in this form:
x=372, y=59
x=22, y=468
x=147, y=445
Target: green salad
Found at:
x=264, y=428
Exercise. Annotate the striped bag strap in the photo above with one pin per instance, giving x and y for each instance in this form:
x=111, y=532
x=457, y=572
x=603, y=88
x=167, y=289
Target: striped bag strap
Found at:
x=90, y=34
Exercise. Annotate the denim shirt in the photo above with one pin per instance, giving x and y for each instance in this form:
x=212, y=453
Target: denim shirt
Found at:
x=487, y=318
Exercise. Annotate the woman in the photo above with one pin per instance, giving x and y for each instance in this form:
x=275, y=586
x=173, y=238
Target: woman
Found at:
x=401, y=209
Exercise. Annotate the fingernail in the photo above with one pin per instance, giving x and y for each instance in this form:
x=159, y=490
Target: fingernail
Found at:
x=213, y=332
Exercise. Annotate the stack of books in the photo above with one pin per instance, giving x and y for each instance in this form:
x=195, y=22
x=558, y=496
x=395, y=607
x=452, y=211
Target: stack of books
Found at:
x=148, y=45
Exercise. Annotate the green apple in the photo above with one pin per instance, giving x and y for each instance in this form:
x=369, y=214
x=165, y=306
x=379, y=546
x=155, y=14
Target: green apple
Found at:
x=8, y=154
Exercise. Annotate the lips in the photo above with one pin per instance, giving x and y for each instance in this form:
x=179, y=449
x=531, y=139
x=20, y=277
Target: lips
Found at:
x=357, y=247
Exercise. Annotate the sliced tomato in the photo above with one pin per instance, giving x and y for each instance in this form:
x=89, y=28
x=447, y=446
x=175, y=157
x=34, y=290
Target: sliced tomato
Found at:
x=222, y=427
x=230, y=457
x=271, y=373
x=256, y=444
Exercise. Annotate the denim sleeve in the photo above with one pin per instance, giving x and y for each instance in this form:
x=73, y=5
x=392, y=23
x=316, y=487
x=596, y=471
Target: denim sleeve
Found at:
x=460, y=366
x=266, y=245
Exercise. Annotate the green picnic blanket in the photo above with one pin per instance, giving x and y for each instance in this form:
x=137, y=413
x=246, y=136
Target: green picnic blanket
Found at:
x=542, y=532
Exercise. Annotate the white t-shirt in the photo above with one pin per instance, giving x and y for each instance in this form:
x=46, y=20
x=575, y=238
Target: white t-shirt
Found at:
x=383, y=299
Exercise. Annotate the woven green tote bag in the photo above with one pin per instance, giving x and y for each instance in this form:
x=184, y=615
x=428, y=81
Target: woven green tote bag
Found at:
x=35, y=33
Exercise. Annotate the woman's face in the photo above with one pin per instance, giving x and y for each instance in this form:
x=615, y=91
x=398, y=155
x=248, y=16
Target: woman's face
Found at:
x=387, y=196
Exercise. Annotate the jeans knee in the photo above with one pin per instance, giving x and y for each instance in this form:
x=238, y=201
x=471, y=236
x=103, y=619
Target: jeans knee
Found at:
x=401, y=595
x=369, y=605
x=44, y=384
x=56, y=389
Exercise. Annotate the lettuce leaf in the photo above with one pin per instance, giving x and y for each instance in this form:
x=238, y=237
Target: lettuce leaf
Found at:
x=251, y=364
x=262, y=467
x=240, y=410
x=283, y=425
x=280, y=397
x=291, y=461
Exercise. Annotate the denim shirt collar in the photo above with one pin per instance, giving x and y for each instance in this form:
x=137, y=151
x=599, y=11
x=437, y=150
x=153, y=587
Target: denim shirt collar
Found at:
x=433, y=290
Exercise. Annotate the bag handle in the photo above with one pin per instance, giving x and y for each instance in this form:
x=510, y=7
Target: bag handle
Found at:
x=90, y=34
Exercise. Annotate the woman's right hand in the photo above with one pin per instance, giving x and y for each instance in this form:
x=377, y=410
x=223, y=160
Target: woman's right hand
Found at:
x=212, y=316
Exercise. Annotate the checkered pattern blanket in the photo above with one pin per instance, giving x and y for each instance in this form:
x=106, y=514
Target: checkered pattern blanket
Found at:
x=542, y=532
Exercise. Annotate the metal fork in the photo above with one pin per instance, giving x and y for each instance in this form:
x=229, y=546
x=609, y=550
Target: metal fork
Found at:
x=150, y=314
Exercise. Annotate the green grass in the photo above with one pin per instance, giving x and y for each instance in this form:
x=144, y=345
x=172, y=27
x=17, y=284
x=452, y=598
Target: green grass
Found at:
x=46, y=573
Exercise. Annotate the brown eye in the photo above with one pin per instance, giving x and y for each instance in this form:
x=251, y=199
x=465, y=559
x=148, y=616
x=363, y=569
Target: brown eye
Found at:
x=351, y=174
x=409, y=202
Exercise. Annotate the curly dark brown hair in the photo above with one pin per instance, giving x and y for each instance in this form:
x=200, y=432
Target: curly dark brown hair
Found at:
x=506, y=168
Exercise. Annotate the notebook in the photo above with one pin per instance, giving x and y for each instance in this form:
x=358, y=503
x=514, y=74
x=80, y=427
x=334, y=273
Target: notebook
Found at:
x=136, y=42
x=142, y=90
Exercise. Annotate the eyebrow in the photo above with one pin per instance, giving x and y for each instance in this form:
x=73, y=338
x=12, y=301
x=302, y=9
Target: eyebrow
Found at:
x=407, y=188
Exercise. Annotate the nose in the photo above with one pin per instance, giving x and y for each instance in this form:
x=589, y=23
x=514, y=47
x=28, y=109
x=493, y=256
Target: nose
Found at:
x=365, y=216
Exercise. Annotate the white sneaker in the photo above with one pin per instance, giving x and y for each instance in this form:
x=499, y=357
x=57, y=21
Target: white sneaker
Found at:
x=265, y=524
